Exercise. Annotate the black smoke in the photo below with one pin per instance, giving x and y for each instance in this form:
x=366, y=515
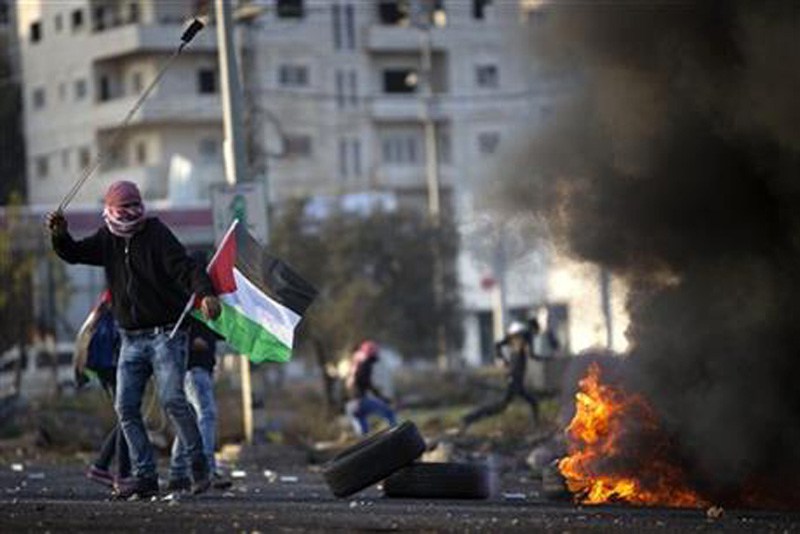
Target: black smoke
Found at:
x=673, y=159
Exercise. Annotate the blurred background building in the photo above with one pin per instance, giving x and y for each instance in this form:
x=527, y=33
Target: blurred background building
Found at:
x=336, y=101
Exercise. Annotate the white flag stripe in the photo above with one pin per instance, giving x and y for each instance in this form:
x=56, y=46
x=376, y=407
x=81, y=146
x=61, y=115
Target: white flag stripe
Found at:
x=279, y=320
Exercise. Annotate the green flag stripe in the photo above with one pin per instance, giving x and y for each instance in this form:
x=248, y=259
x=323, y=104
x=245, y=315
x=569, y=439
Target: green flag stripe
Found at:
x=247, y=336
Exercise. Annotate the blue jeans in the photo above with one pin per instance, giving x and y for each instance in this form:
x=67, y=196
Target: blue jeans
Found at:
x=155, y=354
x=199, y=385
x=361, y=409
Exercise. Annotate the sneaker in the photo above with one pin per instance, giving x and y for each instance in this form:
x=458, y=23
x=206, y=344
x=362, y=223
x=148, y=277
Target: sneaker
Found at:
x=123, y=482
x=140, y=488
x=220, y=482
x=101, y=476
x=122, y=485
x=179, y=484
x=200, y=483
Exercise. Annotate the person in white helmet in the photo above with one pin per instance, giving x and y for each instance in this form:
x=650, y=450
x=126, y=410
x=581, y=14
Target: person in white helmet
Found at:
x=518, y=340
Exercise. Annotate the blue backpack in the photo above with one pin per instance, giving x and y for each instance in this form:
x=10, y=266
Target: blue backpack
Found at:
x=102, y=353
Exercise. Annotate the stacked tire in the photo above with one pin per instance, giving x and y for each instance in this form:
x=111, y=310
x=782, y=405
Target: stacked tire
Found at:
x=391, y=456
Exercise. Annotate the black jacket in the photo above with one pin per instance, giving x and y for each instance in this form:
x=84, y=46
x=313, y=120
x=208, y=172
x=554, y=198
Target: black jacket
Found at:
x=150, y=275
x=207, y=357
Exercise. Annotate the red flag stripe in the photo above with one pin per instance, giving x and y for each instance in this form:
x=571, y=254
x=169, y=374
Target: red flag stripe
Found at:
x=220, y=270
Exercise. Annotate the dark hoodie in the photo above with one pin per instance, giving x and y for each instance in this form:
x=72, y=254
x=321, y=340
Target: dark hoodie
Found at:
x=149, y=275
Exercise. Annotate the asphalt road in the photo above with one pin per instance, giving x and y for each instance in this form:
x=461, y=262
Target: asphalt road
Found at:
x=59, y=499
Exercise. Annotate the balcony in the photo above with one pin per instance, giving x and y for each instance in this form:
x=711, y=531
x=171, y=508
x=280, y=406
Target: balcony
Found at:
x=410, y=177
x=174, y=109
x=403, y=108
x=152, y=180
x=382, y=38
x=138, y=38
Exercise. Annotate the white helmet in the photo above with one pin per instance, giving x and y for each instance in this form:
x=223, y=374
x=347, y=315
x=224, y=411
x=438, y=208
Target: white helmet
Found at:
x=517, y=328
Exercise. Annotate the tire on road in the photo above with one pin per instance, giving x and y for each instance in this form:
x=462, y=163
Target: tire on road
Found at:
x=373, y=459
x=440, y=481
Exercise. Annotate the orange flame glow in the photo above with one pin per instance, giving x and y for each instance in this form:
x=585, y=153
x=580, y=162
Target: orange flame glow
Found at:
x=617, y=452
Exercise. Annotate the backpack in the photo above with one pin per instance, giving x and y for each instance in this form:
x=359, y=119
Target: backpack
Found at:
x=103, y=346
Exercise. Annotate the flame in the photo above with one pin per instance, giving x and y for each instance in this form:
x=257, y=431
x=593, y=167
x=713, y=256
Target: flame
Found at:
x=617, y=452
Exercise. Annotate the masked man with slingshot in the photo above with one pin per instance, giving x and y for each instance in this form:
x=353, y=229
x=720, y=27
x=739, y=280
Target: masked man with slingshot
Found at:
x=150, y=277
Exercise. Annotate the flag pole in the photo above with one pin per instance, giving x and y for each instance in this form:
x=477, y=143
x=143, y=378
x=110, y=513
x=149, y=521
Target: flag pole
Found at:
x=190, y=302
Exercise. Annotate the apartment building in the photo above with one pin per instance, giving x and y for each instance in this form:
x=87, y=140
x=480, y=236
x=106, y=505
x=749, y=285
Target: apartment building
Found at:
x=344, y=81
x=334, y=105
x=84, y=64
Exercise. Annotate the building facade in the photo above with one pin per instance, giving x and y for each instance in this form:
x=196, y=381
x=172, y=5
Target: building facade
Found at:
x=335, y=100
x=84, y=65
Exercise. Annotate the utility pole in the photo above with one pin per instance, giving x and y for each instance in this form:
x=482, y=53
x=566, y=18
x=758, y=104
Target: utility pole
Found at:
x=499, y=302
x=235, y=161
x=429, y=125
x=433, y=182
x=235, y=157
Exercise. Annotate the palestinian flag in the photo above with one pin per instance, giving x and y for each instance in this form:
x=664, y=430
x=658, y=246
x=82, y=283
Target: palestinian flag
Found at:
x=262, y=298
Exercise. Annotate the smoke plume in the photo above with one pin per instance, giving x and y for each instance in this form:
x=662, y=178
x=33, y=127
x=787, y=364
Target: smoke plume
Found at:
x=674, y=161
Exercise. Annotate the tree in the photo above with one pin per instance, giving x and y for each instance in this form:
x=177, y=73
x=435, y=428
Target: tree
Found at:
x=16, y=269
x=374, y=275
x=12, y=148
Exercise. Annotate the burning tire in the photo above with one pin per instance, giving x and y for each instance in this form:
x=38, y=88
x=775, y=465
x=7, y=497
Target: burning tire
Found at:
x=373, y=459
x=440, y=481
x=554, y=487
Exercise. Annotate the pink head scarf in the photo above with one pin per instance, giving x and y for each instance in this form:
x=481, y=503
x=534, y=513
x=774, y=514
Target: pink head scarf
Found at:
x=124, y=210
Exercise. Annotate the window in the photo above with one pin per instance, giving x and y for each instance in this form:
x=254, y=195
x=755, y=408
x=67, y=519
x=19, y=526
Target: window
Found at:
x=77, y=20
x=209, y=149
x=140, y=152
x=36, y=32
x=348, y=94
x=479, y=8
x=136, y=82
x=206, y=82
x=80, y=89
x=38, y=97
x=114, y=158
x=58, y=23
x=356, y=146
x=392, y=12
x=487, y=76
x=488, y=143
x=350, y=23
x=400, y=149
x=343, y=158
x=354, y=88
x=133, y=13
x=336, y=16
x=297, y=146
x=105, y=88
x=349, y=157
x=4, y=19
x=340, y=101
x=84, y=157
x=65, y=159
x=444, y=147
x=293, y=75
x=290, y=9
x=99, y=18
x=400, y=81
x=42, y=165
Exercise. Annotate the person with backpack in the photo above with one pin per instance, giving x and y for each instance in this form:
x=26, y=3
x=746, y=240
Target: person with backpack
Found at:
x=365, y=398
x=97, y=348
